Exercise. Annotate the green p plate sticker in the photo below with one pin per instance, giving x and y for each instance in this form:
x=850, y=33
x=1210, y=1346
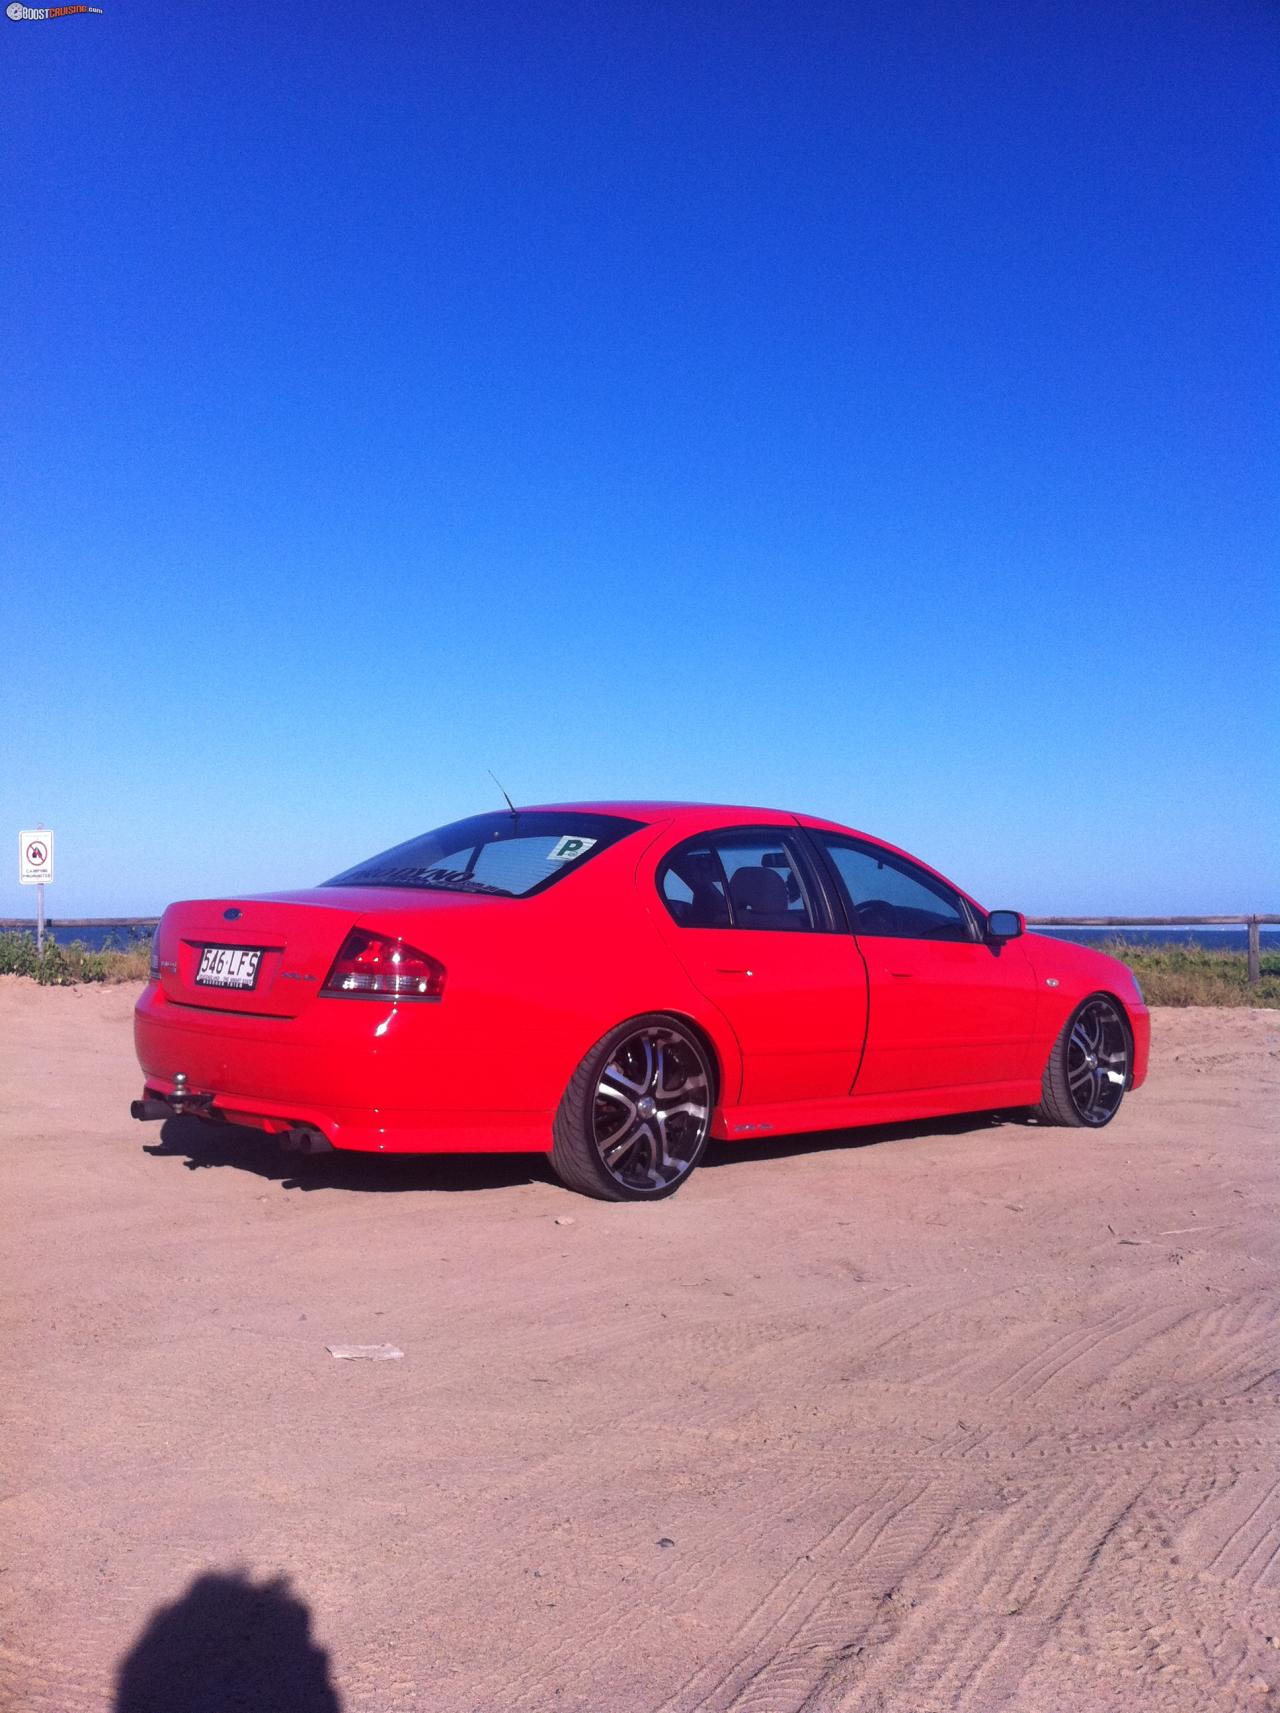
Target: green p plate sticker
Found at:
x=569, y=847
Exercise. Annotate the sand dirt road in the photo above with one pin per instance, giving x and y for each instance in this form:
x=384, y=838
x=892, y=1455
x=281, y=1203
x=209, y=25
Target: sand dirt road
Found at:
x=976, y=1416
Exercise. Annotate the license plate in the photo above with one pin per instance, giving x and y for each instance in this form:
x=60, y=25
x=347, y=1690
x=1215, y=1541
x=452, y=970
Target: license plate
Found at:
x=227, y=966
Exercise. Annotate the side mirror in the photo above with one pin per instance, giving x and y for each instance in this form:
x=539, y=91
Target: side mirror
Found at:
x=1006, y=924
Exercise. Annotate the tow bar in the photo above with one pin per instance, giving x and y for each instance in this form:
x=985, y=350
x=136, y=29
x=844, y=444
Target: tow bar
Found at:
x=296, y=1139
x=153, y=1106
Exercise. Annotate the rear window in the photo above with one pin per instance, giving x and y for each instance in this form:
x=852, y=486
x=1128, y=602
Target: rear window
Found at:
x=506, y=854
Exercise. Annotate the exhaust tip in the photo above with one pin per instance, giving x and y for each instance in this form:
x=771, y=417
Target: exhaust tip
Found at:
x=149, y=1111
x=305, y=1139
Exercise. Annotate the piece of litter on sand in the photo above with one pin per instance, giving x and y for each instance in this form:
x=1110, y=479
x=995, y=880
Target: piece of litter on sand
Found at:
x=370, y=1352
x=666, y=1541
x=565, y=1219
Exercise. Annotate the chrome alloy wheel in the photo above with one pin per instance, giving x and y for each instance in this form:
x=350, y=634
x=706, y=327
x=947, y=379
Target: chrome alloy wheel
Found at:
x=651, y=1109
x=1097, y=1061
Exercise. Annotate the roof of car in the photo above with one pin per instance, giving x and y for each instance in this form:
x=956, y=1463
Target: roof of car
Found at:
x=729, y=815
x=647, y=809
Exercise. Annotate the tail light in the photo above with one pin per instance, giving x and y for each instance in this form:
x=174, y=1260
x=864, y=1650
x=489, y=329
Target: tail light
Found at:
x=376, y=966
x=153, y=962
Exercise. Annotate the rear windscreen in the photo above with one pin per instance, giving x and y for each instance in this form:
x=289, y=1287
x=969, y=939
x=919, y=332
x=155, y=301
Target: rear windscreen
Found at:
x=507, y=854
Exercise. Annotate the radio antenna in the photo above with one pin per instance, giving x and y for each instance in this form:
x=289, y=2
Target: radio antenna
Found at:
x=510, y=805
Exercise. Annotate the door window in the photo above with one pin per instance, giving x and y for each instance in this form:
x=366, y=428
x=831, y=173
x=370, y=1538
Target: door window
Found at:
x=692, y=885
x=892, y=898
x=738, y=879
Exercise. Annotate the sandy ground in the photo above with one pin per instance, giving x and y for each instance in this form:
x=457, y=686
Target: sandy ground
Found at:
x=971, y=1416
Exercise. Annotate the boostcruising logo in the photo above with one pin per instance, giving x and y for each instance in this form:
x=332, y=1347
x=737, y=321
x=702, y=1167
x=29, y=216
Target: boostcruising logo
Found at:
x=18, y=13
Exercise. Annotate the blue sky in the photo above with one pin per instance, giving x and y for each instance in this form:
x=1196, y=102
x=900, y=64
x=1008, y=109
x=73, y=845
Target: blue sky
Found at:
x=866, y=408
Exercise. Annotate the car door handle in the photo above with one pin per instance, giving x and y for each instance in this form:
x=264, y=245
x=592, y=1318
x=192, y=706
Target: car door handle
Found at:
x=720, y=970
x=901, y=975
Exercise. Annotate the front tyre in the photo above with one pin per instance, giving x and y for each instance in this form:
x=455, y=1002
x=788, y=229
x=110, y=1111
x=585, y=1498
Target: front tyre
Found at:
x=1089, y=1067
x=636, y=1115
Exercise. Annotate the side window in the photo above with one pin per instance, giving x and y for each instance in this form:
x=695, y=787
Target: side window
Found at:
x=893, y=898
x=692, y=885
x=736, y=880
x=765, y=887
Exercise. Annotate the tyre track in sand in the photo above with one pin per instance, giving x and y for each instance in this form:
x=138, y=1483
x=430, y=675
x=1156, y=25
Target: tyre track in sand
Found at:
x=787, y=1638
x=941, y=1424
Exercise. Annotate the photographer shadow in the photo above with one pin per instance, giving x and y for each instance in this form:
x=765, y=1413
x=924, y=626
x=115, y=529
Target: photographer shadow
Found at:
x=228, y=1645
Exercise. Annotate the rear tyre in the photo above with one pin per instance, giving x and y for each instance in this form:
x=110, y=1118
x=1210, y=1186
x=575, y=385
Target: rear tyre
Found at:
x=1089, y=1067
x=636, y=1115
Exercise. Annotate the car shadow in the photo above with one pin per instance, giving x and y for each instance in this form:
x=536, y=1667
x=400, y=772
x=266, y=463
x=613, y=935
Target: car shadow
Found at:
x=864, y=1136
x=199, y=1144
x=227, y=1643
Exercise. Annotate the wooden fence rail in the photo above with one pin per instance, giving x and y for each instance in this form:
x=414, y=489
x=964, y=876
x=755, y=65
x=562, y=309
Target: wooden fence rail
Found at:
x=7, y=922
x=1252, y=923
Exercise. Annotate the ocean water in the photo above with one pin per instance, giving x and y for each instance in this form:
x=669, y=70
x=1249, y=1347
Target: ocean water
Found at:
x=1213, y=939
x=1233, y=939
x=95, y=938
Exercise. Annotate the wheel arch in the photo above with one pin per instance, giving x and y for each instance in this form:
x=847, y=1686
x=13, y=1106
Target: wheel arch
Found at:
x=713, y=1046
x=1118, y=1001
x=709, y=1046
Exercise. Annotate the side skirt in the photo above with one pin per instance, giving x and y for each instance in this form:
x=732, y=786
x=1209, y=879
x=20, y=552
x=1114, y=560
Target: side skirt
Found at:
x=743, y=1123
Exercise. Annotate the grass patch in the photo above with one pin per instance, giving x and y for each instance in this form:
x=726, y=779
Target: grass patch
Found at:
x=63, y=966
x=1198, y=975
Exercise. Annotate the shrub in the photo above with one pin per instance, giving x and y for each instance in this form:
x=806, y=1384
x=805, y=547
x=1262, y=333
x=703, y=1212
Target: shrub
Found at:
x=1198, y=975
x=17, y=953
x=61, y=966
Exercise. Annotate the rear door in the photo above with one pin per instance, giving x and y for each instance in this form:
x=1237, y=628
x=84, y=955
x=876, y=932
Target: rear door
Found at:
x=947, y=1008
x=744, y=911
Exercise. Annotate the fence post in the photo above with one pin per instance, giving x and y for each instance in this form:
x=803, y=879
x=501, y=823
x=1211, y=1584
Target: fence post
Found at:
x=1255, y=953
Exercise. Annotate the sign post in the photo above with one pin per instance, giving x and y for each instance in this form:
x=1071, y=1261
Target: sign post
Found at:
x=35, y=868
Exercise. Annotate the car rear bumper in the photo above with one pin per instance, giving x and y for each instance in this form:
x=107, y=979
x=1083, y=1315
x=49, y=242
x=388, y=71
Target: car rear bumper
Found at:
x=368, y=1077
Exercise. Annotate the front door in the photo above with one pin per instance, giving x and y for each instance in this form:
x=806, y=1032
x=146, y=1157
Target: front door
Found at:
x=948, y=1009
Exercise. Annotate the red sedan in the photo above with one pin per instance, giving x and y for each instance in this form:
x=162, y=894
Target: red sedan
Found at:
x=613, y=984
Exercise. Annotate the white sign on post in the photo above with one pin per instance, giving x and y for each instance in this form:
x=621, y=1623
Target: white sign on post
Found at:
x=35, y=856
